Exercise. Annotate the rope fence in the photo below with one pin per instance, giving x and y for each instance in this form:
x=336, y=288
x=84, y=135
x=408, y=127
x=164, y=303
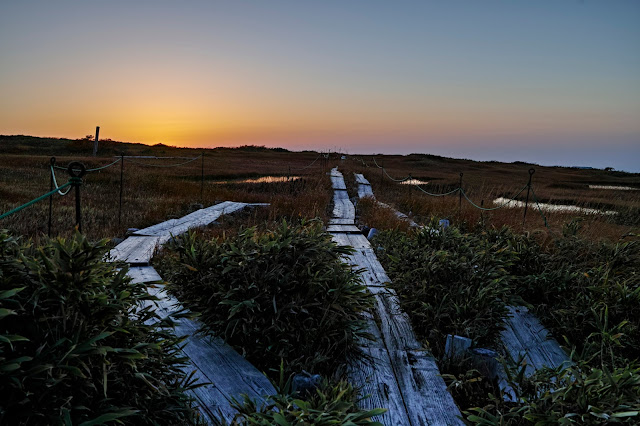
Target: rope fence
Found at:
x=162, y=165
x=77, y=170
x=464, y=195
x=35, y=200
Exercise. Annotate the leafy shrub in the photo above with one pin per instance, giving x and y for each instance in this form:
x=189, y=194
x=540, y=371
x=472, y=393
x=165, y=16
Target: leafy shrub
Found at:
x=275, y=295
x=590, y=292
x=449, y=282
x=75, y=347
x=579, y=394
x=331, y=404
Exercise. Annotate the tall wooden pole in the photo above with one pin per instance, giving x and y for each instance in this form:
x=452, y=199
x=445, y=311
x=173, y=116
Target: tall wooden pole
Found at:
x=95, y=143
x=202, y=179
x=121, y=186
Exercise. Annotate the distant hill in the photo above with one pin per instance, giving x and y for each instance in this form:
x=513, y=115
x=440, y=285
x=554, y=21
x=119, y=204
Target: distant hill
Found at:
x=26, y=145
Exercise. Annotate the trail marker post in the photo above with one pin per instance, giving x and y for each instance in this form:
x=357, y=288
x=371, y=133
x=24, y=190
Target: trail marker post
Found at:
x=121, y=186
x=95, y=142
x=76, y=171
x=202, y=178
x=526, y=203
x=52, y=161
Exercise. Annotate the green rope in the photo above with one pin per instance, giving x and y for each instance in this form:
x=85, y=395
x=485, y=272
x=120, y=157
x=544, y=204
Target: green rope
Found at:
x=308, y=165
x=436, y=195
x=40, y=198
x=55, y=183
x=539, y=208
x=103, y=167
x=374, y=162
x=396, y=180
x=92, y=170
x=493, y=208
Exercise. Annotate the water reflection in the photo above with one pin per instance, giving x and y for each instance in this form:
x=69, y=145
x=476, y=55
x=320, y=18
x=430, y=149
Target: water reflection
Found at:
x=414, y=182
x=263, y=179
x=560, y=208
x=617, y=188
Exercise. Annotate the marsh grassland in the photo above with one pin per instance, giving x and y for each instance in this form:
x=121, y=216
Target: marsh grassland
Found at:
x=277, y=291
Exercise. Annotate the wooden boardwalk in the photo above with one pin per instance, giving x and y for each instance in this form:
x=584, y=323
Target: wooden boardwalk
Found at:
x=139, y=247
x=365, y=190
x=229, y=375
x=401, y=376
x=523, y=336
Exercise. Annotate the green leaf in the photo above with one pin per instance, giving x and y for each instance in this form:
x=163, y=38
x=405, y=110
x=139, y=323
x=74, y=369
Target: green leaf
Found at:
x=109, y=417
x=8, y=293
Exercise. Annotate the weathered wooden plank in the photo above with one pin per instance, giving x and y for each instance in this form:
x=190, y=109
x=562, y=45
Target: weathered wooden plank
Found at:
x=344, y=209
x=217, y=362
x=229, y=375
x=143, y=274
x=338, y=182
x=341, y=195
x=402, y=376
x=340, y=221
x=210, y=401
x=394, y=323
x=344, y=228
x=423, y=390
x=361, y=180
x=375, y=377
x=365, y=191
x=195, y=219
x=525, y=336
x=137, y=250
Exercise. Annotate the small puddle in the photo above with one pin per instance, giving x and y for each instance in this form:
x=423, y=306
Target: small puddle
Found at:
x=414, y=182
x=616, y=188
x=263, y=179
x=560, y=208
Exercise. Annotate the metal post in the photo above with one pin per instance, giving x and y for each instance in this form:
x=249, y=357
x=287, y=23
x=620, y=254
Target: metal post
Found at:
x=460, y=195
x=76, y=170
x=52, y=161
x=482, y=213
x=410, y=189
x=202, y=179
x=121, y=187
x=526, y=203
x=382, y=172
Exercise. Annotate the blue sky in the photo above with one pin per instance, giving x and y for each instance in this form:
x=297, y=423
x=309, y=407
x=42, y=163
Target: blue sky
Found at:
x=552, y=82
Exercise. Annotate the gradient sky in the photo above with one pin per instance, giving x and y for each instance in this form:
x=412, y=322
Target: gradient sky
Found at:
x=551, y=82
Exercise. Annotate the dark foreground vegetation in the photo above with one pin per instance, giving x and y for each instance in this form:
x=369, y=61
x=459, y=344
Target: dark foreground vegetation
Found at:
x=281, y=295
x=330, y=404
x=455, y=282
x=76, y=346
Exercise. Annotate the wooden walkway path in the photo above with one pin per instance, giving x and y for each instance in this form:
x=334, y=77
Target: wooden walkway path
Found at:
x=214, y=362
x=523, y=336
x=402, y=376
x=364, y=190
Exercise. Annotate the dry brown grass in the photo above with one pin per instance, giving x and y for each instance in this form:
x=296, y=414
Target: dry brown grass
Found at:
x=489, y=180
x=153, y=194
